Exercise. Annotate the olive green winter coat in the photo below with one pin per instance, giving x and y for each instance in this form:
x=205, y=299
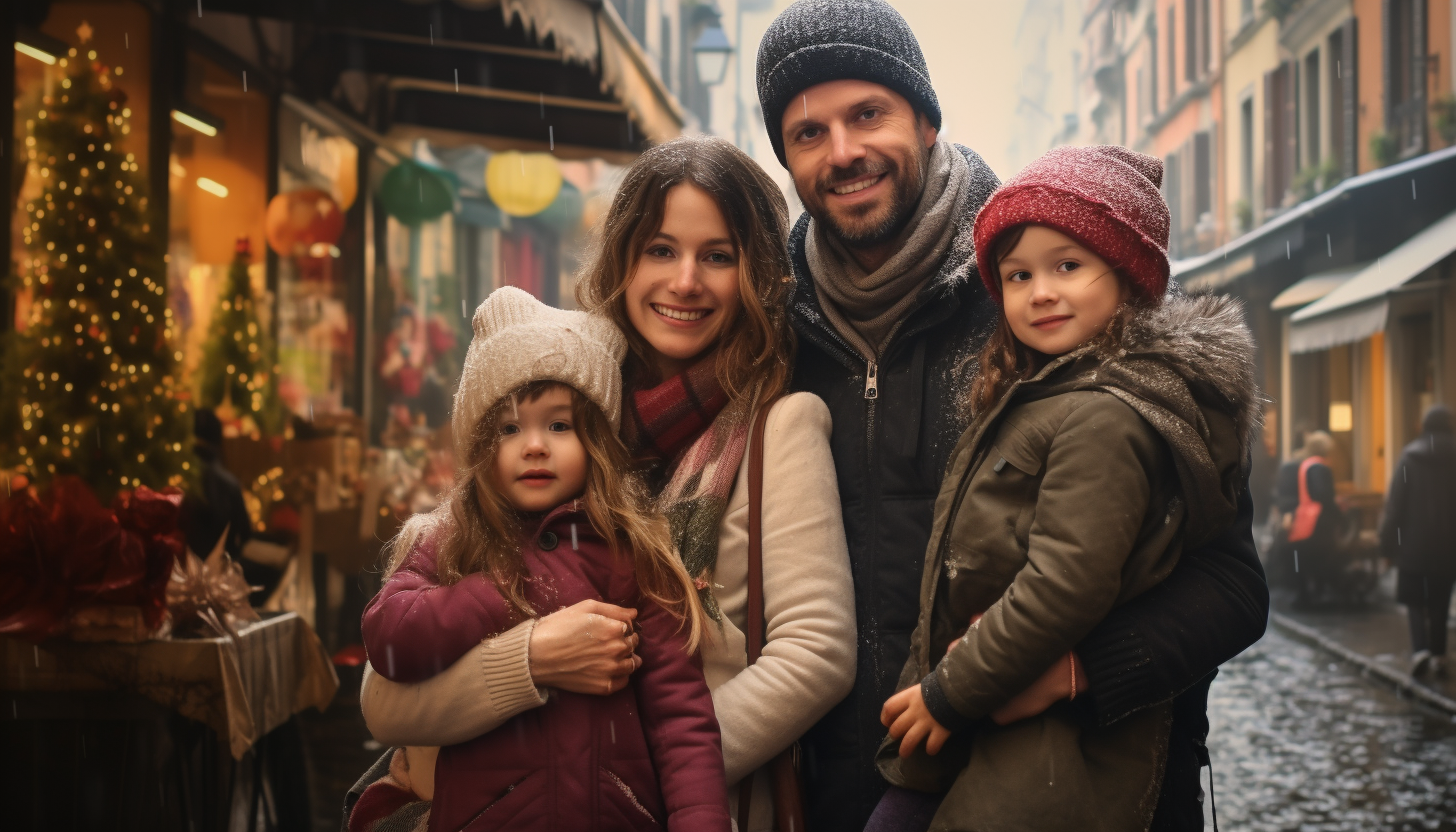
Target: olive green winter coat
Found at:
x=1076, y=493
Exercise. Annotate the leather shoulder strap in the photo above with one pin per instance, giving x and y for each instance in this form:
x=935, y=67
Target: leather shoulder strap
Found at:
x=754, y=633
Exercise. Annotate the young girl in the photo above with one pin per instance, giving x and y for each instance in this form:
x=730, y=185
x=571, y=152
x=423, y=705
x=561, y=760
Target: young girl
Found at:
x=1109, y=430
x=544, y=514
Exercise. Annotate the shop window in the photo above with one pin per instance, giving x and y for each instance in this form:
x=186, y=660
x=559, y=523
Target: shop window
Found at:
x=120, y=33
x=1418, y=368
x=218, y=190
x=319, y=280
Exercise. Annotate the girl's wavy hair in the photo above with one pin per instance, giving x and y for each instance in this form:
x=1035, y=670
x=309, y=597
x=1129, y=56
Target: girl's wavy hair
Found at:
x=1002, y=360
x=476, y=529
x=755, y=351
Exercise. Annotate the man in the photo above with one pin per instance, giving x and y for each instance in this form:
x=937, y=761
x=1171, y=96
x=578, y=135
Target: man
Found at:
x=888, y=304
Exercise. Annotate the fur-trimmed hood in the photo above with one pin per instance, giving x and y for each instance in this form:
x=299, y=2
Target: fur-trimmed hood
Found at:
x=1187, y=367
x=1205, y=340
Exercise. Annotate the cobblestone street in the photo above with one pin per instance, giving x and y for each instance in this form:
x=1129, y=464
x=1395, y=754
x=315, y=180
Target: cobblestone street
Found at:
x=1302, y=742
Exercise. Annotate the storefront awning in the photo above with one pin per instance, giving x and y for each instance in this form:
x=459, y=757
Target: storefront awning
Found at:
x=1358, y=308
x=594, y=34
x=1314, y=287
x=559, y=76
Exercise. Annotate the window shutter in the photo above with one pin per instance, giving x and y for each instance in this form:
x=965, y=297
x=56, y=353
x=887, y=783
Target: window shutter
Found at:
x=1202, y=174
x=1388, y=37
x=1350, y=75
x=1291, y=126
x=1418, y=71
x=1271, y=133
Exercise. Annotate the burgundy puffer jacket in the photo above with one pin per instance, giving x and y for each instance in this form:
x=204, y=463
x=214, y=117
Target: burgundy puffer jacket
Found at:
x=646, y=757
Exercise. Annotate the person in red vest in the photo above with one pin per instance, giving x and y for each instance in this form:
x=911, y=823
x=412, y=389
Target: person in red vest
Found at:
x=1313, y=528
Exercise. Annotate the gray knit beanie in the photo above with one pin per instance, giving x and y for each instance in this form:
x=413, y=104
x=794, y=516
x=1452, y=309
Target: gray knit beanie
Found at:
x=815, y=41
x=519, y=339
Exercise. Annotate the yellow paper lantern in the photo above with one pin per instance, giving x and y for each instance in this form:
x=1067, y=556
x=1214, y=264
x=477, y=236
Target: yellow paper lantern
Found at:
x=346, y=174
x=522, y=184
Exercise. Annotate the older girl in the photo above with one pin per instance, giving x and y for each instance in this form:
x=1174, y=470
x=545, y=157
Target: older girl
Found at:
x=693, y=265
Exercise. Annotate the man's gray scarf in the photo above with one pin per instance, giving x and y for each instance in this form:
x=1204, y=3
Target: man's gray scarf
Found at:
x=867, y=308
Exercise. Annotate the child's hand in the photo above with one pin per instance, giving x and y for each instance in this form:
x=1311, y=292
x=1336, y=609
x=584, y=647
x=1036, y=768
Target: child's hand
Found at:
x=906, y=716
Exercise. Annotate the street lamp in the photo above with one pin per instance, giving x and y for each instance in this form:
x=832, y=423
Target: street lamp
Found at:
x=710, y=53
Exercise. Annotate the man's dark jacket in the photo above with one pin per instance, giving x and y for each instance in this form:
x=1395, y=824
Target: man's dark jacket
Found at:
x=890, y=452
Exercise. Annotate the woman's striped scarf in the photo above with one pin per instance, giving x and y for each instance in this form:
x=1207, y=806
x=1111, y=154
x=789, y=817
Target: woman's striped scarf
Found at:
x=693, y=438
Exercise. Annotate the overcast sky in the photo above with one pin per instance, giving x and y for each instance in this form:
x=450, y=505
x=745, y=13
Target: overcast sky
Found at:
x=968, y=44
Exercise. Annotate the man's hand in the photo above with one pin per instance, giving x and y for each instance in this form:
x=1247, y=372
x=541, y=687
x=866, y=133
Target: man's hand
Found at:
x=587, y=647
x=906, y=716
x=1053, y=686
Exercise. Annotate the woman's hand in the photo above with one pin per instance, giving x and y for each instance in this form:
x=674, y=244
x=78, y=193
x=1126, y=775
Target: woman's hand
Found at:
x=587, y=647
x=906, y=716
x=1054, y=685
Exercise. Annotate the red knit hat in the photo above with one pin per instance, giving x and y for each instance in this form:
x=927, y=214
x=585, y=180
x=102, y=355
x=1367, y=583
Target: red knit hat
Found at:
x=1106, y=197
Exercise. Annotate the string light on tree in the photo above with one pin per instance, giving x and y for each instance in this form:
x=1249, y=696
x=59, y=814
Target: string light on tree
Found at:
x=88, y=379
x=238, y=378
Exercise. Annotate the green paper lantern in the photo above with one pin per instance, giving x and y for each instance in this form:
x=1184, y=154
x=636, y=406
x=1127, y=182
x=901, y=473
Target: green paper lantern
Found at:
x=564, y=213
x=414, y=193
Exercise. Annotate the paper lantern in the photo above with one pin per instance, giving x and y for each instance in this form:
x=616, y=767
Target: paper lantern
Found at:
x=565, y=211
x=522, y=184
x=413, y=193
x=346, y=178
x=301, y=219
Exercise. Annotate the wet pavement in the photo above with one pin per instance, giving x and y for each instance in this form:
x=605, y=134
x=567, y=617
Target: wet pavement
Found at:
x=1375, y=632
x=1303, y=742
x=339, y=750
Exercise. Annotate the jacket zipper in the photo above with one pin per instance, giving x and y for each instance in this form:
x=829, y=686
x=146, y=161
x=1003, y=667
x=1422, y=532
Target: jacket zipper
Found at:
x=872, y=380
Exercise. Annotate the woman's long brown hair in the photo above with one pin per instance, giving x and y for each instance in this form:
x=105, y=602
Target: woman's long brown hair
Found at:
x=1003, y=360
x=755, y=351
x=475, y=529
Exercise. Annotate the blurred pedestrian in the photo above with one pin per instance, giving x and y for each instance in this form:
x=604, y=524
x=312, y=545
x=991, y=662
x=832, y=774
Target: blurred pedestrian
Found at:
x=1418, y=533
x=1279, y=563
x=1313, y=528
x=217, y=507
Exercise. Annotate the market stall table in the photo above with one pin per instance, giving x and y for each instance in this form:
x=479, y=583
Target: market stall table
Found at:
x=161, y=735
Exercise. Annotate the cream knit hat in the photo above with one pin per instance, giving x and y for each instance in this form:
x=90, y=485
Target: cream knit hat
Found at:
x=519, y=339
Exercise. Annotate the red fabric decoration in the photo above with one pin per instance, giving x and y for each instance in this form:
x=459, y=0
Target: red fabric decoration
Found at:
x=297, y=220
x=67, y=551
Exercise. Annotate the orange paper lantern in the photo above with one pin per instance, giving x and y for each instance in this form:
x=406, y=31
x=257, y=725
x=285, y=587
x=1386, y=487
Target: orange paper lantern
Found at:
x=300, y=219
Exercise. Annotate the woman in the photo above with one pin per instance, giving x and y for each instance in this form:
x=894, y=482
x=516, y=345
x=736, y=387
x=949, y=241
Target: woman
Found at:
x=692, y=265
x=1418, y=533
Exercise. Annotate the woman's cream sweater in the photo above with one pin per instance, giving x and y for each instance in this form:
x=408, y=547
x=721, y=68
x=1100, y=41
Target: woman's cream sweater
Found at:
x=805, y=669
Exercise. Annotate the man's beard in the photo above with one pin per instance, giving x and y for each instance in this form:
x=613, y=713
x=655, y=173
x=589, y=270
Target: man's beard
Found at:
x=861, y=229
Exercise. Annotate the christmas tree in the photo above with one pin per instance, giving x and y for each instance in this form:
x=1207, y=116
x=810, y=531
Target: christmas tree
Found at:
x=87, y=386
x=237, y=369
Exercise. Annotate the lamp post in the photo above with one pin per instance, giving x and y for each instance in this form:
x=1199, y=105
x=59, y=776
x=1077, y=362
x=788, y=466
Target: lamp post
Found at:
x=711, y=52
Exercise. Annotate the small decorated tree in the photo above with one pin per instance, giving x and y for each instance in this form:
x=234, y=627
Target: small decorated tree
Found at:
x=238, y=378
x=87, y=386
